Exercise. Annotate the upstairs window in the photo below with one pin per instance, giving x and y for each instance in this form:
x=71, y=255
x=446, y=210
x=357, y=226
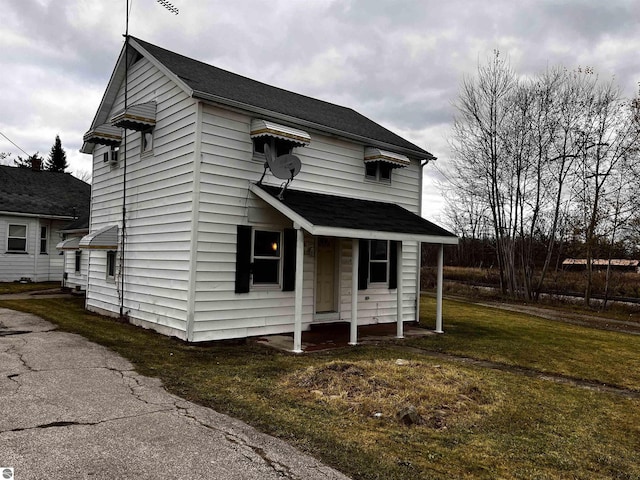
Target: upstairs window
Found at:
x=277, y=145
x=280, y=138
x=378, y=171
x=17, y=239
x=378, y=164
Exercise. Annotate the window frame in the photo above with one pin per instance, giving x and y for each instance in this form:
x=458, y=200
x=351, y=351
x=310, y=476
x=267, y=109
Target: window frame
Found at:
x=45, y=239
x=279, y=258
x=78, y=261
x=14, y=237
x=378, y=178
x=146, y=143
x=386, y=261
x=278, y=146
x=110, y=267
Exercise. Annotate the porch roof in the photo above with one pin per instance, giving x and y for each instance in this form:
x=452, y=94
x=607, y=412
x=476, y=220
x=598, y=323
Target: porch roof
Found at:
x=334, y=216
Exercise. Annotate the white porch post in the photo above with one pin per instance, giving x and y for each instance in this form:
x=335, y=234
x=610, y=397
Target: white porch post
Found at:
x=297, y=327
x=355, y=257
x=439, y=290
x=399, y=330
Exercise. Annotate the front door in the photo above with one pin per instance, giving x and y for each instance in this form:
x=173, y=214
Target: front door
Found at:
x=326, y=275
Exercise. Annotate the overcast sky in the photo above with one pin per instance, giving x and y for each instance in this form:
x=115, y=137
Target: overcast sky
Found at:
x=398, y=62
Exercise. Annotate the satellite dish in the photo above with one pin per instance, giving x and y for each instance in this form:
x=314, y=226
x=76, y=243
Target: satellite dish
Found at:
x=284, y=167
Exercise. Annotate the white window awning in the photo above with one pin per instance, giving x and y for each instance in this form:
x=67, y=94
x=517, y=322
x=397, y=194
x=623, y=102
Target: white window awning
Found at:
x=72, y=243
x=372, y=154
x=264, y=128
x=141, y=116
x=105, y=239
x=104, y=134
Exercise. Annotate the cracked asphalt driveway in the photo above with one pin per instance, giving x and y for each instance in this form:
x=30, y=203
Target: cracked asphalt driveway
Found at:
x=70, y=408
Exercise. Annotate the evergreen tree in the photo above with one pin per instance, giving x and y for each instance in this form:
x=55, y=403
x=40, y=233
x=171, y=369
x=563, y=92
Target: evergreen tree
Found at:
x=57, y=161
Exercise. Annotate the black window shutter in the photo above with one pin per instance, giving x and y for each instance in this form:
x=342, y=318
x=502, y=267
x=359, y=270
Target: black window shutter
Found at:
x=393, y=264
x=363, y=265
x=243, y=259
x=289, y=260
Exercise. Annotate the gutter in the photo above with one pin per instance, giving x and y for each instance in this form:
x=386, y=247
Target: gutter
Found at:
x=38, y=215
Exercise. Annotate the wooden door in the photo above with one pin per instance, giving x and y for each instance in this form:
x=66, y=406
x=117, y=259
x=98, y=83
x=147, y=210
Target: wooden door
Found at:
x=326, y=275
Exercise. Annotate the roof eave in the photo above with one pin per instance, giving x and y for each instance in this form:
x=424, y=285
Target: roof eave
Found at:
x=36, y=215
x=322, y=230
x=244, y=107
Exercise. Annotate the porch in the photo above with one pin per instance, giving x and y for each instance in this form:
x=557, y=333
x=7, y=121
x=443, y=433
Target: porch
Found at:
x=338, y=335
x=365, y=225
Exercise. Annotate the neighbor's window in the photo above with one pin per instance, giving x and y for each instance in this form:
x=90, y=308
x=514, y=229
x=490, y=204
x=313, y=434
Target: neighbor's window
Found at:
x=278, y=146
x=378, y=261
x=43, y=240
x=17, y=238
x=378, y=171
x=146, y=139
x=78, y=260
x=266, y=257
x=111, y=264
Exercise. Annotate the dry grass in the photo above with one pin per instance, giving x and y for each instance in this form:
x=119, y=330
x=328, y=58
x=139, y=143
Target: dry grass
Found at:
x=442, y=395
x=17, y=287
x=477, y=422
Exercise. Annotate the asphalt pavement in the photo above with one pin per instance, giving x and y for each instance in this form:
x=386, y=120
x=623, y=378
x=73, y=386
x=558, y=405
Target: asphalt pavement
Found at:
x=72, y=409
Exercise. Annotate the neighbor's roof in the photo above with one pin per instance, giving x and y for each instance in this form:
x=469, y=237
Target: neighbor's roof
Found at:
x=616, y=262
x=331, y=215
x=42, y=193
x=207, y=82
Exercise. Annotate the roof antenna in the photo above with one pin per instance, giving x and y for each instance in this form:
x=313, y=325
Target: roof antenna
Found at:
x=169, y=6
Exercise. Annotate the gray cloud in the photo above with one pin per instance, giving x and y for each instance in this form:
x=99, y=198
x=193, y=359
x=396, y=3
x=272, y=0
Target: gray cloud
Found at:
x=399, y=62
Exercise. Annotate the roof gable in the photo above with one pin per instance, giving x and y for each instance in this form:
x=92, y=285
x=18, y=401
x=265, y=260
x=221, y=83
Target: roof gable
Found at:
x=25, y=191
x=207, y=82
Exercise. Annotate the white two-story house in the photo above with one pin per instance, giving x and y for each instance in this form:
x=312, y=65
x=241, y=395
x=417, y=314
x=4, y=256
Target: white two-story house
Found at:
x=192, y=236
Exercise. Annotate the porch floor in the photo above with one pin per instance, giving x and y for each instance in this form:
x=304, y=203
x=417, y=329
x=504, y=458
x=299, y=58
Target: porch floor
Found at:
x=336, y=335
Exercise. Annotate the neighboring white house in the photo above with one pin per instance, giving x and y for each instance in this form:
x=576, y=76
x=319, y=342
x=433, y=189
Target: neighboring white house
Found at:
x=190, y=237
x=76, y=262
x=35, y=206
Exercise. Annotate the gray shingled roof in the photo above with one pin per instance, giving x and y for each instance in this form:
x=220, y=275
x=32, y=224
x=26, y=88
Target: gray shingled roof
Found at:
x=23, y=190
x=343, y=212
x=207, y=80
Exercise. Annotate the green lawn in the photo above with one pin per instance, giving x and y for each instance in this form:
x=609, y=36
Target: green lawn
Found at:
x=477, y=423
x=17, y=287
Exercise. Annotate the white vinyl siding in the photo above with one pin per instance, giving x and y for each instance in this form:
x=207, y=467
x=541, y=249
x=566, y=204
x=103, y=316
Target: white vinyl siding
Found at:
x=329, y=166
x=159, y=210
x=76, y=279
x=30, y=263
x=159, y=194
